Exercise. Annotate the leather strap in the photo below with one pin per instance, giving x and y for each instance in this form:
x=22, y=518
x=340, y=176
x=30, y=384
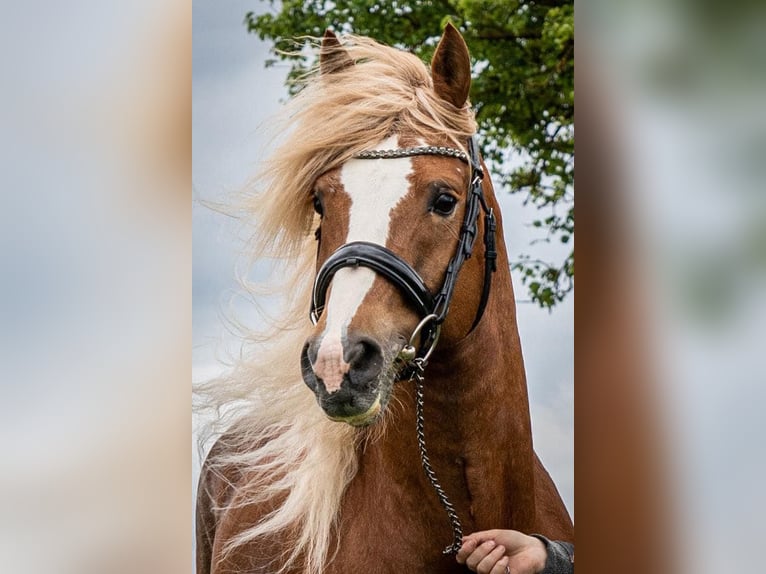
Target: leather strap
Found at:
x=380, y=260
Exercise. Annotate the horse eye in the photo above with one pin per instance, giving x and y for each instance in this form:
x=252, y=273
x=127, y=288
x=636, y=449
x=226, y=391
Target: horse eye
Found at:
x=318, y=205
x=444, y=204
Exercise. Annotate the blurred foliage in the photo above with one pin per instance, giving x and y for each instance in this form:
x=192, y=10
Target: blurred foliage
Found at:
x=523, y=92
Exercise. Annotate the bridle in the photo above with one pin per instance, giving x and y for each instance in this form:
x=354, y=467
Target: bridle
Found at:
x=432, y=308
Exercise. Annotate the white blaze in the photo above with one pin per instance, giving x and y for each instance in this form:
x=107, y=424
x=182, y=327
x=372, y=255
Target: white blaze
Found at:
x=375, y=187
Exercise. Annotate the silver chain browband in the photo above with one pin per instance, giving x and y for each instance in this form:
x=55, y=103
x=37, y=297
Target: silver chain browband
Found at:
x=411, y=151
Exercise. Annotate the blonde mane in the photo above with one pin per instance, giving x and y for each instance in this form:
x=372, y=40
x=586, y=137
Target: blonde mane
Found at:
x=275, y=434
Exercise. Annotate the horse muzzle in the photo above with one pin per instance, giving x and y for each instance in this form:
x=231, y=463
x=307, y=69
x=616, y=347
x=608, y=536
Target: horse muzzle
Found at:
x=347, y=379
x=348, y=411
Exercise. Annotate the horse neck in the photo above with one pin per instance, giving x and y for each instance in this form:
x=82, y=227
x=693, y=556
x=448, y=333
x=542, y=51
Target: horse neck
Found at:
x=476, y=422
x=483, y=380
x=483, y=373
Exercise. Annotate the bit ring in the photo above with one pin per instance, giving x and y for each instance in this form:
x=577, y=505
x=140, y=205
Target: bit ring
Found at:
x=411, y=344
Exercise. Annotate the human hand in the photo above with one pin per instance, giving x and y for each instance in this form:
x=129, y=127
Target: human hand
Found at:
x=501, y=552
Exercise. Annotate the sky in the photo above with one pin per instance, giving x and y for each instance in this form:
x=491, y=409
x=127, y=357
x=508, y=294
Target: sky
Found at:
x=233, y=94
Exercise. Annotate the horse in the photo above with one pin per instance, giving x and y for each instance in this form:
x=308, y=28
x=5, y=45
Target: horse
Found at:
x=365, y=435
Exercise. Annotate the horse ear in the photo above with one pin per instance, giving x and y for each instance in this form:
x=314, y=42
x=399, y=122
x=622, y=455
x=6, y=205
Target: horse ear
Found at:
x=333, y=57
x=451, y=68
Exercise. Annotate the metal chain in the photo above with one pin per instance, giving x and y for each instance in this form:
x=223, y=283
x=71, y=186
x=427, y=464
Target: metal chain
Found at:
x=411, y=151
x=457, y=529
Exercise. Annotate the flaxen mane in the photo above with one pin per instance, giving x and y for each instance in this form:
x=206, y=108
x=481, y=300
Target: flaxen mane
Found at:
x=275, y=431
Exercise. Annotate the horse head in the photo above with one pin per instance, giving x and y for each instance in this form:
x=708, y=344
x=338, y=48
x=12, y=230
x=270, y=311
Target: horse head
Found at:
x=396, y=222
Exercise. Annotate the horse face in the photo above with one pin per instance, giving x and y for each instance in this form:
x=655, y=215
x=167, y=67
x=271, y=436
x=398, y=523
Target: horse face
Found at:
x=414, y=207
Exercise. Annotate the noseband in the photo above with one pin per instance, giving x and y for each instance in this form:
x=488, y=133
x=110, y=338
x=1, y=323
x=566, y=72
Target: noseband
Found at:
x=432, y=308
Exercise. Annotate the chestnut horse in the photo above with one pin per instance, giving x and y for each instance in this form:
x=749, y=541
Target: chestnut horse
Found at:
x=377, y=186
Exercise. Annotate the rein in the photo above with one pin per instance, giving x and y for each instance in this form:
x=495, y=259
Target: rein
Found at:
x=433, y=308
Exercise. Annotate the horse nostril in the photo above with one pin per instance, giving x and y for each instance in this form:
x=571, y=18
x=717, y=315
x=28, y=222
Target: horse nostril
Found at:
x=365, y=359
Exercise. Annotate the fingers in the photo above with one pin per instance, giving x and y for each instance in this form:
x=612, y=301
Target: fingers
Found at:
x=487, y=565
x=500, y=566
x=472, y=541
x=469, y=545
x=479, y=553
x=483, y=559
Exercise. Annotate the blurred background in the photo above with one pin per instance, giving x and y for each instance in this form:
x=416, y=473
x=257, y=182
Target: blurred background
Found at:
x=672, y=255
x=95, y=316
x=96, y=311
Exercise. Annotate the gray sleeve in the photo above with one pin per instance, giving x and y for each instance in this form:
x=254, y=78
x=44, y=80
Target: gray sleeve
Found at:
x=560, y=556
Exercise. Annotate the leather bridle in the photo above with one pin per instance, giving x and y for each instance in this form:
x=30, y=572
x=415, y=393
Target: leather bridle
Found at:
x=432, y=308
